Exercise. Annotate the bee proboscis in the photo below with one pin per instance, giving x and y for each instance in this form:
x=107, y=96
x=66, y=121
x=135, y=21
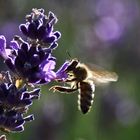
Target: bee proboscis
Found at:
x=84, y=79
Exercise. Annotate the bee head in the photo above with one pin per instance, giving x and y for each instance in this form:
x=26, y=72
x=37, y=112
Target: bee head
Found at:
x=72, y=65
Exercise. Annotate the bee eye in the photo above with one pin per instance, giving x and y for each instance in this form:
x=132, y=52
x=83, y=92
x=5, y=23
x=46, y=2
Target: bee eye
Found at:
x=70, y=75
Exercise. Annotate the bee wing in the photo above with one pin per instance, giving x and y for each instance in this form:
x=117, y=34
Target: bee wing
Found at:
x=101, y=76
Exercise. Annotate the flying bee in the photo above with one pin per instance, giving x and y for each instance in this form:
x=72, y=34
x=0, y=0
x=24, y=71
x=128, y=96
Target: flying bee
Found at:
x=83, y=78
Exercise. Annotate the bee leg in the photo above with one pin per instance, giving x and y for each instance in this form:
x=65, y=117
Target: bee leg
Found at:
x=67, y=80
x=71, y=80
x=63, y=89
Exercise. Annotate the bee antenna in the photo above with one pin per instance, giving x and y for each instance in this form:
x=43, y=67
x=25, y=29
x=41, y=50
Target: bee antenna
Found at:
x=71, y=57
x=68, y=54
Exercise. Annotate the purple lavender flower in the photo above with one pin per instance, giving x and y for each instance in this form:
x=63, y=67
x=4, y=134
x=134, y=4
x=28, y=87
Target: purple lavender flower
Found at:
x=39, y=27
x=14, y=103
x=12, y=97
x=61, y=73
x=30, y=62
x=12, y=121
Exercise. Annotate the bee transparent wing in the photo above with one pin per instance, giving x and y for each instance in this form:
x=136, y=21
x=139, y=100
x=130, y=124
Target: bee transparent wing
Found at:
x=101, y=76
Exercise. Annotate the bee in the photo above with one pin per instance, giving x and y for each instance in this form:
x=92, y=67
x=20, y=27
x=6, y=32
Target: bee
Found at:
x=83, y=78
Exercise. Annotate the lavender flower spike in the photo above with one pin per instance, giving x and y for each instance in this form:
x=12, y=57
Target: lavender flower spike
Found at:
x=3, y=51
x=14, y=103
x=12, y=121
x=61, y=73
x=39, y=28
x=30, y=62
x=12, y=97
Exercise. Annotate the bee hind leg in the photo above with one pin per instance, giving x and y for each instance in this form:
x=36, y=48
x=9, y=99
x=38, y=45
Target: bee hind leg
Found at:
x=63, y=89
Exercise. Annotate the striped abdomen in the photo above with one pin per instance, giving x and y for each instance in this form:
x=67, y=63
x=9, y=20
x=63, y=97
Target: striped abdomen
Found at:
x=85, y=98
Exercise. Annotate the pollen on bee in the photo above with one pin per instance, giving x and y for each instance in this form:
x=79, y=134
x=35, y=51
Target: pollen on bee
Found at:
x=19, y=83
